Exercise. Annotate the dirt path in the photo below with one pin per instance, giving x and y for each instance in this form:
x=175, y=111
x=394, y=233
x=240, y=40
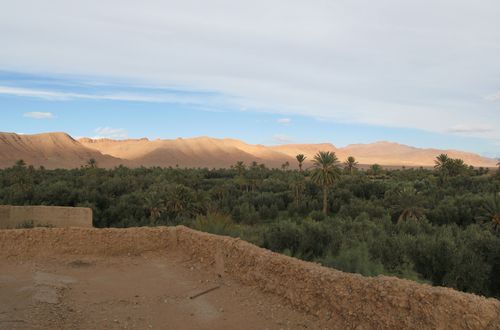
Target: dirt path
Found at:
x=138, y=292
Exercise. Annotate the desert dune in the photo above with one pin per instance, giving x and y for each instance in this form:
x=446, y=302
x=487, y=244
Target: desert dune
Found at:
x=59, y=150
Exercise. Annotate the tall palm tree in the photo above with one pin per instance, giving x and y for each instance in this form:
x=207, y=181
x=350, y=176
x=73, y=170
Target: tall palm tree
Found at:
x=442, y=164
x=300, y=158
x=441, y=161
x=254, y=175
x=297, y=184
x=326, y=171
x=240, y=167
x=351, y=163
x=285, y=166
x=240, y=178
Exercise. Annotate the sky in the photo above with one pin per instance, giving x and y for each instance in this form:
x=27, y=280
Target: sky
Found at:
x=424, y=73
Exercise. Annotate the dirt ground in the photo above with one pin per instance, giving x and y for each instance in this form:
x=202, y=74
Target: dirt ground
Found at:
x=143, y=278
x=150, y=291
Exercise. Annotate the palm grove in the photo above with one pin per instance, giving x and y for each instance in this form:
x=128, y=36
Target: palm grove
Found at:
x=440, y=226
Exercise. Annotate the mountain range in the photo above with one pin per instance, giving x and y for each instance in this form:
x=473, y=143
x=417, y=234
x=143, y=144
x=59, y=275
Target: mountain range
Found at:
x=60, y=150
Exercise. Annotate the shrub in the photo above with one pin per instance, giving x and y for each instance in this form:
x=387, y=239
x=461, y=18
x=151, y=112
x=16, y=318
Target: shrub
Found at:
x=214, y=223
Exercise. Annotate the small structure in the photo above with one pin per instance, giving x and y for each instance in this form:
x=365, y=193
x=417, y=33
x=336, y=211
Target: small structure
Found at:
x=44, y=216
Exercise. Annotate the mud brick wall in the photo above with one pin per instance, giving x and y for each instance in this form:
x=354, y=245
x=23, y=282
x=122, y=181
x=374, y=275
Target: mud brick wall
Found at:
x=53, y=216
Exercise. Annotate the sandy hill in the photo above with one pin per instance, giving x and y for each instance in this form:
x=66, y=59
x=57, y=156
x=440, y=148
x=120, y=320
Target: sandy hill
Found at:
x=59, y=150
x=52, y=150
x=385, y=153
x=193, y=152
x=211, y=152
x=390, y=153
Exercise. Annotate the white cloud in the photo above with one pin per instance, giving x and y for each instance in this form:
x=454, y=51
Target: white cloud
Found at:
x=414, y=64
x=30, y=93
x=284, y=121
x=469, y=129
x=110, y=133
x=166, y=97
x=39, y=115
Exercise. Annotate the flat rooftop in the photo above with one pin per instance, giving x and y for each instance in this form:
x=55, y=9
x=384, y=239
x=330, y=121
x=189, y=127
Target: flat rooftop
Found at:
x=178, y=278
x=150, y=291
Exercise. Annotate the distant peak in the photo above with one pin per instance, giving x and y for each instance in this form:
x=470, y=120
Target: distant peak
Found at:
x=50, y=135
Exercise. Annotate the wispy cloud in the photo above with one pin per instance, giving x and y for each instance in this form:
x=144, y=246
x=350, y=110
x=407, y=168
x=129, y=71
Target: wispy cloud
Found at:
x=39, y=115
x=165, y=97
x=110, y=133
x=469, y=129
x=284, y=121
x=43, y=94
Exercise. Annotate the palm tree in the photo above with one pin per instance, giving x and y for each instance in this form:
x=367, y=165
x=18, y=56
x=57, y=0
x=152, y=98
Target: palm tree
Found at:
x=351, y=163
x=180, y=200
x=326, y=171
x=406, y=203
x=240, y=178
x=457, y=166
x=441, y=162
x=20, y=163
x=449, y=166
x=239, y=167
x=490, y=212
x=376, y=169
x=285, y=166
x=92, y=163
x=300, y=158
x=254, y=175
x=297, y=184
x=155, y=205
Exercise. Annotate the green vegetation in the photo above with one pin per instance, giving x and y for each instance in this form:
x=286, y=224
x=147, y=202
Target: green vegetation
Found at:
x=440, y=226
x=350, y=164
x=300, y=159
x=326, y=171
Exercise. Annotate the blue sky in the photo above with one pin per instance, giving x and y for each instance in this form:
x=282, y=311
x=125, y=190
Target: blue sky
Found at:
x=266, y=72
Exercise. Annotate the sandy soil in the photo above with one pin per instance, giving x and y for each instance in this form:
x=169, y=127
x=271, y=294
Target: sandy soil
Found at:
x=151, y=291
